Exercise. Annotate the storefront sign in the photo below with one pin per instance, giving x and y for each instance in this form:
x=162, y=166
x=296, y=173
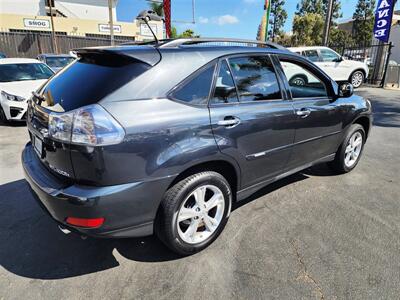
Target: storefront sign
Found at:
x=106, y=28
x=383, y=20
x=36, y=23
x=145, y=31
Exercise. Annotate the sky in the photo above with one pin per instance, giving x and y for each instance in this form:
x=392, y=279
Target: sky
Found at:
x=221, y=18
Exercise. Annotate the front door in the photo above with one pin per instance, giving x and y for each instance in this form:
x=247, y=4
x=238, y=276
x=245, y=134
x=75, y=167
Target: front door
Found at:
x=319, y=120
x=252, y=119
x=334, y=65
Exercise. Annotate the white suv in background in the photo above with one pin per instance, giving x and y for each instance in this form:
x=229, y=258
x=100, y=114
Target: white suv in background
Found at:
x=333, y=64
x=19, y=77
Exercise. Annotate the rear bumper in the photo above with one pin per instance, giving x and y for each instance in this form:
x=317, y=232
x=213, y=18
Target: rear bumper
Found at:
x=129, y=209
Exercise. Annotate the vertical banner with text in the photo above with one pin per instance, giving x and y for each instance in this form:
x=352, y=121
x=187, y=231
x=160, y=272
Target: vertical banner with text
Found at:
x=383, y=20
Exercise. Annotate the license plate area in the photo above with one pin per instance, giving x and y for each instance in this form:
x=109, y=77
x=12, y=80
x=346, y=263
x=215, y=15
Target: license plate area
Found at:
x=37, y=145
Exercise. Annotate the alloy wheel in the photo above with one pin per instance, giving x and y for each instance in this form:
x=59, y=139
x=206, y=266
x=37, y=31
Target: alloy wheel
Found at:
x=200, y=214
x=357, y=79
x=353, y=149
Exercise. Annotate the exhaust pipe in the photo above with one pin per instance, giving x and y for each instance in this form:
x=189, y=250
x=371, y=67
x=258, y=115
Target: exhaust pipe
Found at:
x=64, y=230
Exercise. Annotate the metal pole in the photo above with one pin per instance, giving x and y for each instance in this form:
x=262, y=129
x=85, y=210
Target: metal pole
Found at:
x=53, y=35
x=386, y=65
x=111, y=22
x=193, y=12
x=327, y=26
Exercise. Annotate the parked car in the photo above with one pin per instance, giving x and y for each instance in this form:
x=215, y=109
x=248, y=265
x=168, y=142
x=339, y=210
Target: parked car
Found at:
x=18, y=78
x=56, y=61
x=333, y=64
x=165, y=137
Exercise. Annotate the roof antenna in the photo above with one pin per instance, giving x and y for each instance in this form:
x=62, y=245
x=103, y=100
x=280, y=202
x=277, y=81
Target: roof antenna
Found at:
x=149, y=15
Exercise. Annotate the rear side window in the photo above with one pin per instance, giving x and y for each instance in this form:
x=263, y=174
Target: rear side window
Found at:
x=88, y=80
x=197, y=89
x=225, y=90
x=255, y=78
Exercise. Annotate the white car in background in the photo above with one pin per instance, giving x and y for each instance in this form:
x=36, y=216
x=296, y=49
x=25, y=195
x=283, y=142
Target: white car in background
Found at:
x=19, y=77
x=333, y=64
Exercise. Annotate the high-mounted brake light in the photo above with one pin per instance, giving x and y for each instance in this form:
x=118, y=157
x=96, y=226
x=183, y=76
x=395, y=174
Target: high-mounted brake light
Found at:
x=89, y=125
x=87, y=223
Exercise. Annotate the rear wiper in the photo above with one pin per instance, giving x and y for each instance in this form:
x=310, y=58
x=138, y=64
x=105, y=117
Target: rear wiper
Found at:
x=39, y=98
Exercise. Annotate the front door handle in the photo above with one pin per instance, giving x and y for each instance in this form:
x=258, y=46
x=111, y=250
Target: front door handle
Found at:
x=229, y=121
x=304, y=112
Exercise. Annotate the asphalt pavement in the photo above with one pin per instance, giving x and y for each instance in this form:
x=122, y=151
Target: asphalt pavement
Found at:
x=312, y=235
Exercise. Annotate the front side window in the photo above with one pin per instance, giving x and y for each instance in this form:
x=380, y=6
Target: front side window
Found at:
x=225, y=90
x=303, y=83
x=311, y=55
x=329, y=55
x=255, y=78
x=20, y=72
x=197, y=89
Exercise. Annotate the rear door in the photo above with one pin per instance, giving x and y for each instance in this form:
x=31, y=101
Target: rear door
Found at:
x=251, y=117
x=319, y=119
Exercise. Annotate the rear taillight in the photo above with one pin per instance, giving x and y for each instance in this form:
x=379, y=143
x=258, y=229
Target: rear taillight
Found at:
x=89, y=125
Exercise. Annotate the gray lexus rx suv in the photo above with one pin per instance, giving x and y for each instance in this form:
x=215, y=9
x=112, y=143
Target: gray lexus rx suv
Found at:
x=164, y=137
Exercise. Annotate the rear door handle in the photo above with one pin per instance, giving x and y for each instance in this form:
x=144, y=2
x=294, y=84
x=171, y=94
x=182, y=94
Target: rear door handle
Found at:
x=229, y=121
x=304, y=112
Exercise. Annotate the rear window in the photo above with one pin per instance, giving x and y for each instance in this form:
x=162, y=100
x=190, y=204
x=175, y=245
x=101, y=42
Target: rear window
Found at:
x=88, y=80
x=20, y=72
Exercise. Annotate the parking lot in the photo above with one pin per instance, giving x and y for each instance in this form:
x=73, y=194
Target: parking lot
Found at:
x=312, y=235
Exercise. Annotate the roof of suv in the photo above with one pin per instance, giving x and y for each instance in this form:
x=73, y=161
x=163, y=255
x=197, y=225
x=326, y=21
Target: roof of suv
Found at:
x=210, y=48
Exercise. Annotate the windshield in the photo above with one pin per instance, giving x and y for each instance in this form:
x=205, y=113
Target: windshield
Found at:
x=19, y=72
x=58, y=62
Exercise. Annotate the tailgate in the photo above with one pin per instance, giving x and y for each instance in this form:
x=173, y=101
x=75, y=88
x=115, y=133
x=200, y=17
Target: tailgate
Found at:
x=53, y=154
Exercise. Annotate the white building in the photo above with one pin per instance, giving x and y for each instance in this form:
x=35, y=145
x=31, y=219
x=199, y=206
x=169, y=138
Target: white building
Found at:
x=77, y=9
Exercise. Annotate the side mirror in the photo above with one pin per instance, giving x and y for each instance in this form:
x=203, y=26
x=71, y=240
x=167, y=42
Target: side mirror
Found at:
x=339, y=59
x=346, y=90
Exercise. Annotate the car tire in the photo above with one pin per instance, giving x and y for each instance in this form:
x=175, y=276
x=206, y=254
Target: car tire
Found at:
x=349, y=152
x=298, y=80
x=187, y=222
x=3, y=118
x=357, y=78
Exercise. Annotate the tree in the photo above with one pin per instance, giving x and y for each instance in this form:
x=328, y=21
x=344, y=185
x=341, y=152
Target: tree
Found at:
x=315, y=8
x=174, y=32
x=307, y=29
x=279, y=18
x=363, y=21
x=336, y=7
x=309, y=7
x=188, y=33
x=158, y=8
x=341, y=38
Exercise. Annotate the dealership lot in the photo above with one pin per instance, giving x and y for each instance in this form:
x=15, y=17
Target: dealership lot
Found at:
x=312, y=235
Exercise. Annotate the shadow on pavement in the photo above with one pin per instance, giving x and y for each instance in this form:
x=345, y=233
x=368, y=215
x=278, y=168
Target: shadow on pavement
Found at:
x=32, y=245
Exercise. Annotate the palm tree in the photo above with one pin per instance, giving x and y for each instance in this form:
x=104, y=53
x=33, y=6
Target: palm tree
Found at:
x=157, y=7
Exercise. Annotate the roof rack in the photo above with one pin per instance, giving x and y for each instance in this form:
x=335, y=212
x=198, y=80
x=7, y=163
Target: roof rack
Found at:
x=193, y=41
x=172, y=43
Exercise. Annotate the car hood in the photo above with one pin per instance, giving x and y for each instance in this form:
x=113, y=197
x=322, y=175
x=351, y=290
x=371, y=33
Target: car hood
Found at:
x=22, y=88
